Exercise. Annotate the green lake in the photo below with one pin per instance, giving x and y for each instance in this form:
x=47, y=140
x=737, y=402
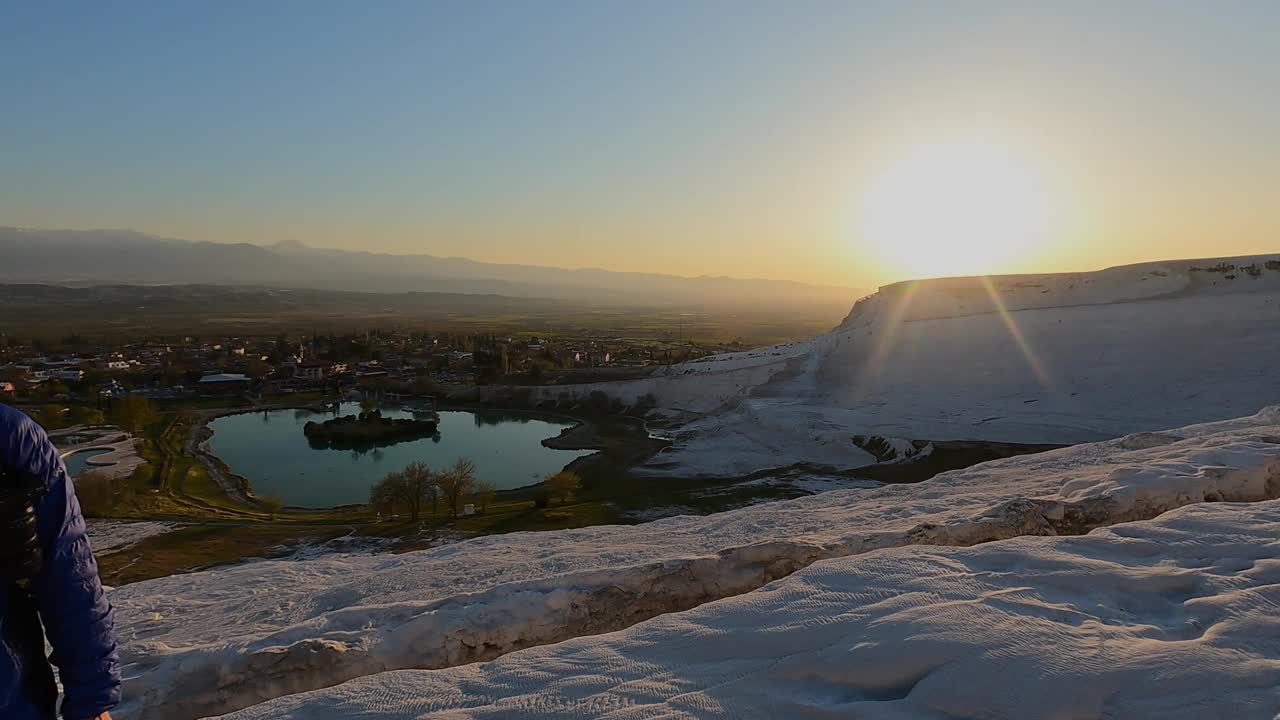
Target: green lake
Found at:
x=270, y=450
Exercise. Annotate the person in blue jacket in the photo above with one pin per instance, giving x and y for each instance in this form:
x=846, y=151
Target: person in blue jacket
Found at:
x=50, y=589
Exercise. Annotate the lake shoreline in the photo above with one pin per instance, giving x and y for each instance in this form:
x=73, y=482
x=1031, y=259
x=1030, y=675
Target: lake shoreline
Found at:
x=240, y=489
x=235, y=525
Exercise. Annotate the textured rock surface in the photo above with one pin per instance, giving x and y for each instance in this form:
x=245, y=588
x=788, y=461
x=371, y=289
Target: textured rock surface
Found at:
x=1173, y=618
x=211, y=642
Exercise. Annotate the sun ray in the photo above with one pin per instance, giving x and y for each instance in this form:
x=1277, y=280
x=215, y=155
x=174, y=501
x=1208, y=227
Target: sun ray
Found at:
x=1033, y=361
x=888, y=330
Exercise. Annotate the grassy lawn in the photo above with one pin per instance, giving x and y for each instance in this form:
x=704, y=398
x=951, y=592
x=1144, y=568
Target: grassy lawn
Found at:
x=516, y=515
x=202, y=546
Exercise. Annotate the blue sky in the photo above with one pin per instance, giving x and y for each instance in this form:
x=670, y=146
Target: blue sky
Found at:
x=690, y=137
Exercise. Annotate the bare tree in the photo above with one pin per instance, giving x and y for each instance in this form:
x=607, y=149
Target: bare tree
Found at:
x=409, y=489
x=562, y=484
x=456, y=482
x=424, y=486
x=387, y=496
x=484, y=492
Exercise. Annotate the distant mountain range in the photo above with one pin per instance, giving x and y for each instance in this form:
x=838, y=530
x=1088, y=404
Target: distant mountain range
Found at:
x=90, y=257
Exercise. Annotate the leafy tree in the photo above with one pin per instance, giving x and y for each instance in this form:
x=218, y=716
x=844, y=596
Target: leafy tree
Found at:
x=272, y=504
x=84, y=415
x=256, y=368
x=144, y=476
x=423, y=386
x=93, y=490
x=51, y=417
x=562, y=484
x=455, y=482
x=133, y=413
x=93, y=377
x=175, y=373
x=12, y=374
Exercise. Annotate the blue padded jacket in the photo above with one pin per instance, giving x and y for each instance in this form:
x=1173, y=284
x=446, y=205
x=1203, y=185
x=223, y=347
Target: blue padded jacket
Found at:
x=66, y=598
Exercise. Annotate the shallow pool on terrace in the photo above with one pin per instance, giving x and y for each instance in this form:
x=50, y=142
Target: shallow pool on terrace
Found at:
x=78, y=461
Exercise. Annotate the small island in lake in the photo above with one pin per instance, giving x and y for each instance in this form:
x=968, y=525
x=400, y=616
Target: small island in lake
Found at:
x=366, y=429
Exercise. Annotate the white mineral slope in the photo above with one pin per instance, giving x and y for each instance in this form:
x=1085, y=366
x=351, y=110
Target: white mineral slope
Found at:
x=1171, y=618
x=1057, y=358
x=211, y=642
x=116, y=535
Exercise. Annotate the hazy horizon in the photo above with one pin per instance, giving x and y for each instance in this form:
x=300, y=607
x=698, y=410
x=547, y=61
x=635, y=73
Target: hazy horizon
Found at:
x=888, y=281
x=303, y=243
x=825, y=143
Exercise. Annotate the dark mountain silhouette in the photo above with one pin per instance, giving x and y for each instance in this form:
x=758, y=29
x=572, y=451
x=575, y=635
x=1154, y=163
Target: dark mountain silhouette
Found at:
x=124, y=256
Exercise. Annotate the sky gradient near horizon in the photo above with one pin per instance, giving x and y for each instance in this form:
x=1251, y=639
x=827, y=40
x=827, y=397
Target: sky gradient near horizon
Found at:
x=720, y=138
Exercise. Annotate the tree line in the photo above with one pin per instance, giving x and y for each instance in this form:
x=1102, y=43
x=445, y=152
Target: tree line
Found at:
x=417, y=489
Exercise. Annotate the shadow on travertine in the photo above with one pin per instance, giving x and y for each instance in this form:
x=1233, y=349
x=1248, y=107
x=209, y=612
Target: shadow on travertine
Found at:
x=300, y=626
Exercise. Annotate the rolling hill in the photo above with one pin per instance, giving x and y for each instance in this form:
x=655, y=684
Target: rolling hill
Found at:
x=127, y=257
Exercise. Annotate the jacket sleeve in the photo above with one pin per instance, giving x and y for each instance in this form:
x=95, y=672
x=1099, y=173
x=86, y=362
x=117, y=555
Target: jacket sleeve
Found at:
x=78, y=619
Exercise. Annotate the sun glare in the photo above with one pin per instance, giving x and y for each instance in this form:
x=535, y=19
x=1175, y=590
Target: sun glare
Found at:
x=956, y=208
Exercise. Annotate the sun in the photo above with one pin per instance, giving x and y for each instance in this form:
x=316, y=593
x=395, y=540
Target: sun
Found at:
x=956, y=208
